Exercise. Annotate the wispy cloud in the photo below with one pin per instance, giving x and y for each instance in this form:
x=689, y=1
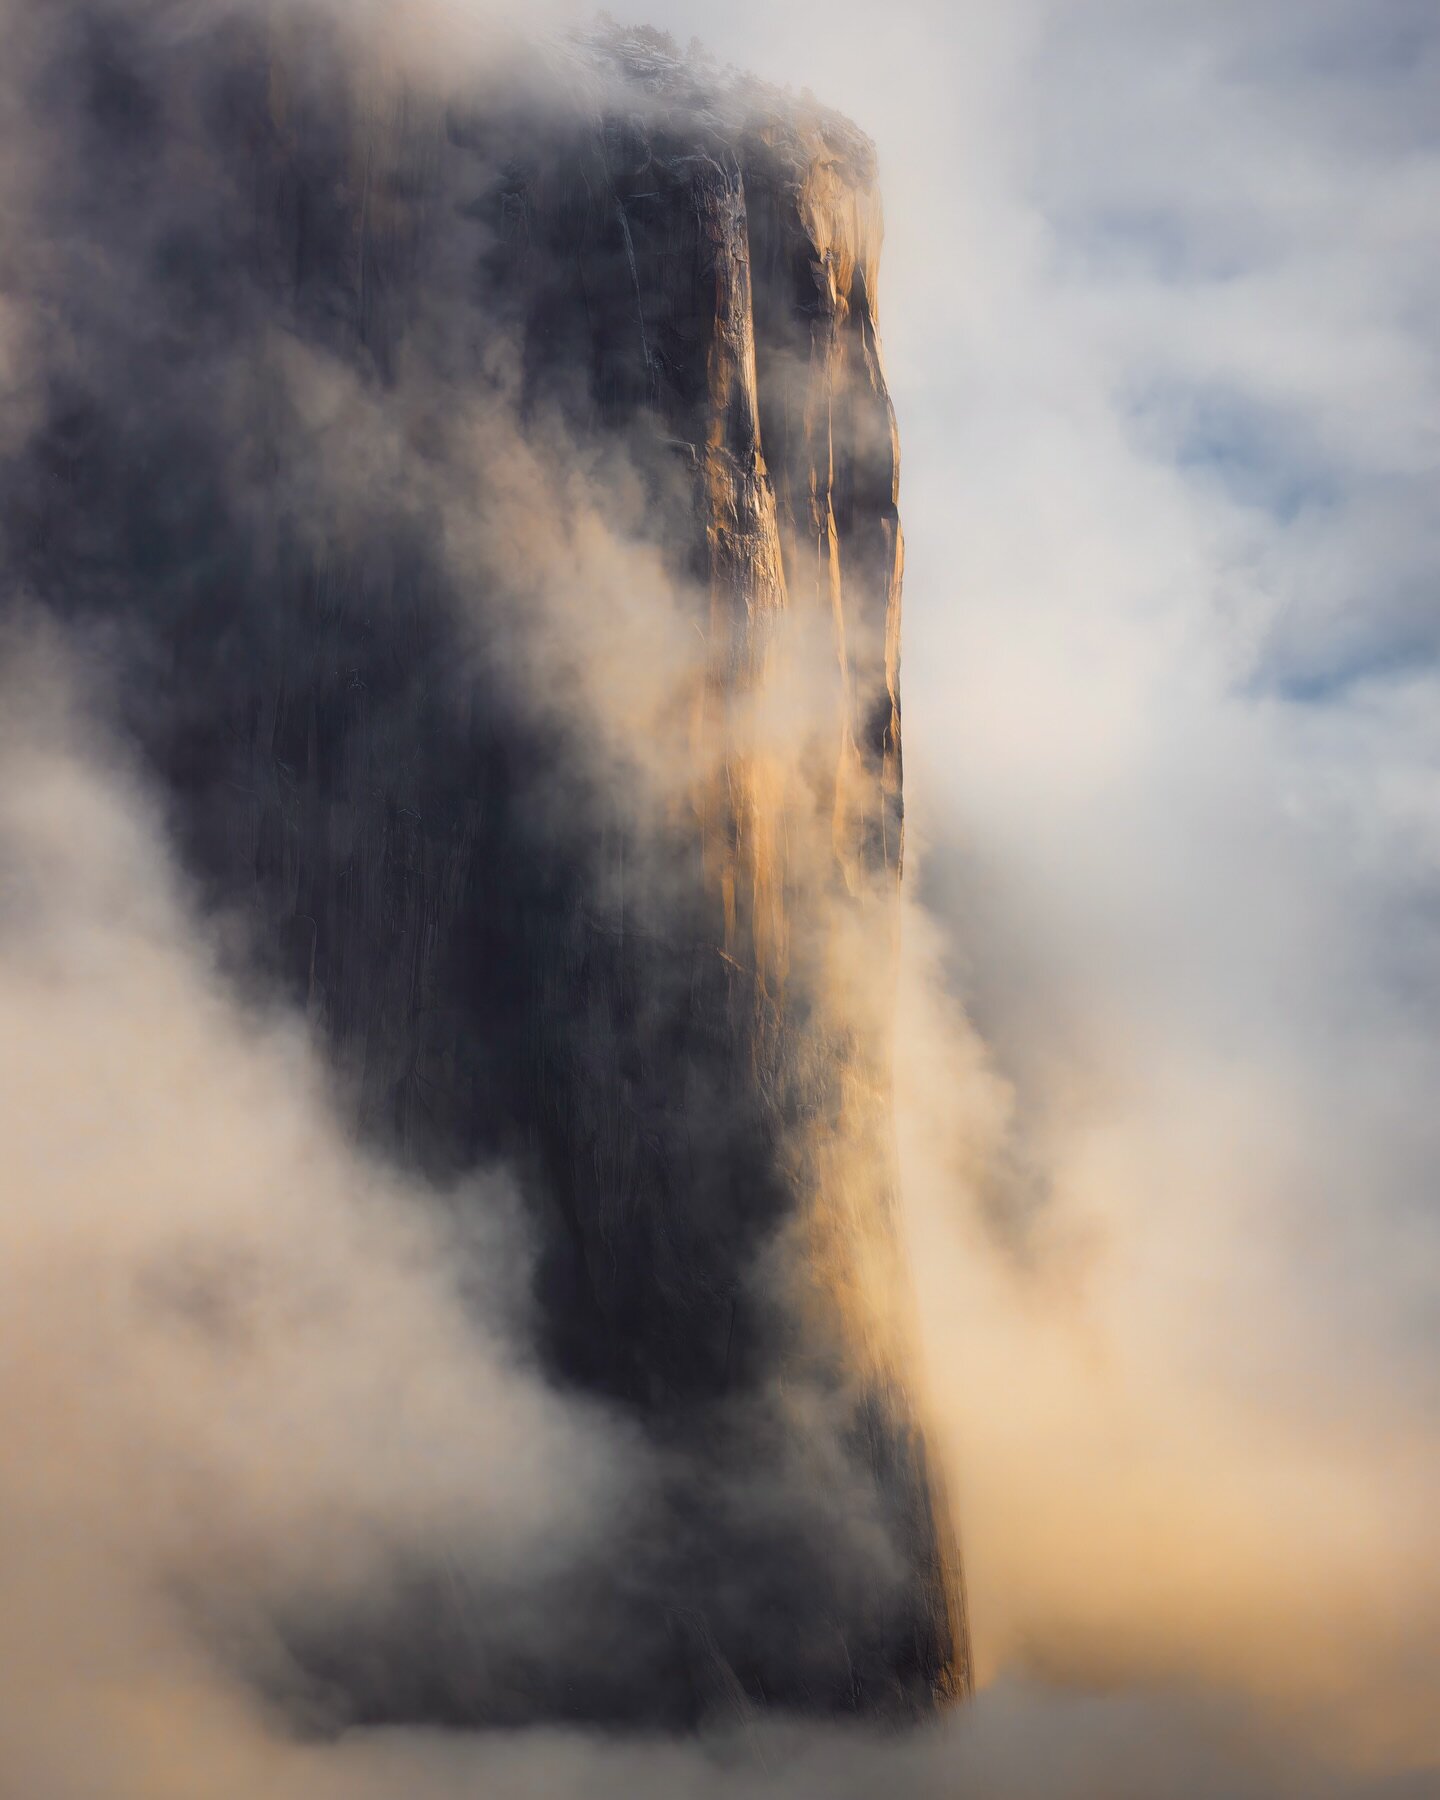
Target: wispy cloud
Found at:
x=1160, y=307
x=1160, y=302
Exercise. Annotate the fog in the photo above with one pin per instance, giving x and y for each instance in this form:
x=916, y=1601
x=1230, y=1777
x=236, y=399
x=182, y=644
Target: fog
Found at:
x=1158, y=302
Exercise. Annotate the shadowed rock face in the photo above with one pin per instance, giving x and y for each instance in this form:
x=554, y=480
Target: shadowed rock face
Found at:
x=668, y=1019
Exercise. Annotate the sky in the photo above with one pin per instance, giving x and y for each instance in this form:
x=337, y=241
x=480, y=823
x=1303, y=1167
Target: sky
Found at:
x=1159, y=308
x=1159, y=305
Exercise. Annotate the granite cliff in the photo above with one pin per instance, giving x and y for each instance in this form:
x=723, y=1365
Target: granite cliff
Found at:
x=298, y=465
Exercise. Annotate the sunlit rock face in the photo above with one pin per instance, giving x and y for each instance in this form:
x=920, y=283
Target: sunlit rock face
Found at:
x=264, y=471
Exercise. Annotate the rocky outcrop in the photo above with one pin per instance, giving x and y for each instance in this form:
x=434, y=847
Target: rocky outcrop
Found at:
x=669, y=1020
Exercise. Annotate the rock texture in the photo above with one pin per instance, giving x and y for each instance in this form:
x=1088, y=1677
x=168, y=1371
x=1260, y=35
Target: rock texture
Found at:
x=671, y=1023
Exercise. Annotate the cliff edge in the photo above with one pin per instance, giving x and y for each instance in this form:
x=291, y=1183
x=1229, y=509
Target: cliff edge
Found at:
x=394, y=394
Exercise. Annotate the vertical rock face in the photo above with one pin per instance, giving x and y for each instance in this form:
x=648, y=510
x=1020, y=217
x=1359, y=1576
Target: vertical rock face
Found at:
x=665, y=1007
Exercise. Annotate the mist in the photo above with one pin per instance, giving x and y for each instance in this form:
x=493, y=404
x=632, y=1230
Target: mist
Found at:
x=1150, y=311
x=1156, y=309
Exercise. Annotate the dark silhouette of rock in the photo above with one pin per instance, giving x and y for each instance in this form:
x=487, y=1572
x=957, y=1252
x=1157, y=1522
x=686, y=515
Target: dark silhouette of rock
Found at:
x=670, y=1022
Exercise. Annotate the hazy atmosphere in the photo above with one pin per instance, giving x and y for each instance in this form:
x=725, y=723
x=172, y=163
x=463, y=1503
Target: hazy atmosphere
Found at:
x=1159, y=305
x=350, y=1456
